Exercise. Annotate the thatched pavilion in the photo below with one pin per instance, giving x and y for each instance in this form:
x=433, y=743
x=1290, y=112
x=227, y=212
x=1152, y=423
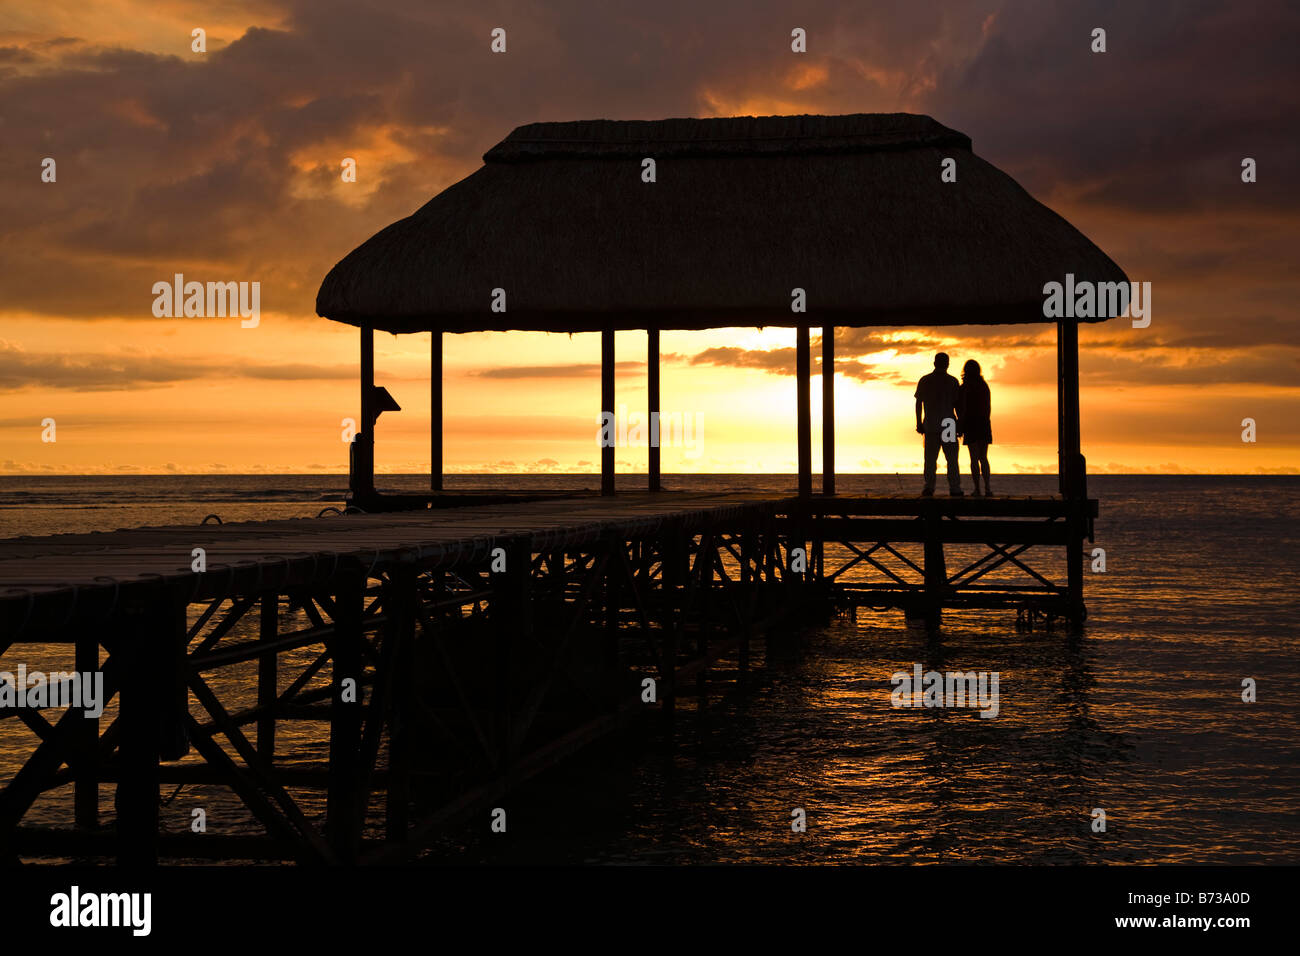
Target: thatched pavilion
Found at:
x=854, y=210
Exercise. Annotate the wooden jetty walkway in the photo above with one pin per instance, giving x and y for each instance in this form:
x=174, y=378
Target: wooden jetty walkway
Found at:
x=441, y=655
x=445, y=648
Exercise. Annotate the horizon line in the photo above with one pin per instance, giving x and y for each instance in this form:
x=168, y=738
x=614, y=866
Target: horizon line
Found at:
x=631, y=474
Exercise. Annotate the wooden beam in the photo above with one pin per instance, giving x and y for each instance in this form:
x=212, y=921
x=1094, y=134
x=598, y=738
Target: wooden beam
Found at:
x=652, y=388
x=607, y=407
x=828, y=410
x=435, y=413
x=803, y=383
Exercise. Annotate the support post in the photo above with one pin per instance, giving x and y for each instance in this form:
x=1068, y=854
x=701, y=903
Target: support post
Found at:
x=343, y=799
x=652, y=389
x=138, y=788
x=1072, y=465
x=435, y=412
x=511, y=618
x=267, y=676
x=747, y=592
x=674, y=569
x=613, y=595
x=150, y=640
x=401, y=600
x=1062, y=471
x=1070, y=447
x=86, y=787
x=363, y=453
x=704, y=563
x=803, y=382
x=607, y=408
x=828, y=410
x=935, y=566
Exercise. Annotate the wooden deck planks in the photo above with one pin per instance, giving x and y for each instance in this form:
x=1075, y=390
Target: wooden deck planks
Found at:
x=97, y=560
x=106, y=560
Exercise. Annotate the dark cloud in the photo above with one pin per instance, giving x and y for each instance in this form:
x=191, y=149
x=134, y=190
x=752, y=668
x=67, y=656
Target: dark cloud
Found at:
x=1276, y=368
x=102, y=372
x=1113, y=355
x=588, y=370
x=1160, y=122
x=776, y=361
x=928, y=340
x=13, y=54
x=782, y=362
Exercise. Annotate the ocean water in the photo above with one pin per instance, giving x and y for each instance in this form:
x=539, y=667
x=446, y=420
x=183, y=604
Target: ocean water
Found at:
x=1141, y=717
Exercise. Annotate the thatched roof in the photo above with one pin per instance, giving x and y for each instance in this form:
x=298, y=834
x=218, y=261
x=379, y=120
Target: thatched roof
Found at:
x=849, y=208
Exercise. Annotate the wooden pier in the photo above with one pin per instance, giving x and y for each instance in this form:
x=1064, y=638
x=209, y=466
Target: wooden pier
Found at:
x=431, y=659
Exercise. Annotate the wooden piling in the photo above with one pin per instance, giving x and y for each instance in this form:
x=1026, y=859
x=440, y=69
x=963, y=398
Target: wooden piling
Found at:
x=342, y=808
x=936, y=569
x=400, y=602
x=613, y=601
x=86, y=787
x=267, y=675
x=674, y=569
x=148, y=640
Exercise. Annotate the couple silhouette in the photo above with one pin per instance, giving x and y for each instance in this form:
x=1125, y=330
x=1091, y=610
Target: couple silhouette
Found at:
x=947, y=410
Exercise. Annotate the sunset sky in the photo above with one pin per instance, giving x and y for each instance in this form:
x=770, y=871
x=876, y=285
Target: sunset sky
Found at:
x=225, y=165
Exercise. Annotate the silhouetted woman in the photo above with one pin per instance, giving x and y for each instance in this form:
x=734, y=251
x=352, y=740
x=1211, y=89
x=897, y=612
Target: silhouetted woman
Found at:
x=973, y=408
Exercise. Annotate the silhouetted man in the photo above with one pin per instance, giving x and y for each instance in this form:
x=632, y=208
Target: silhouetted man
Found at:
x=936, y=419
